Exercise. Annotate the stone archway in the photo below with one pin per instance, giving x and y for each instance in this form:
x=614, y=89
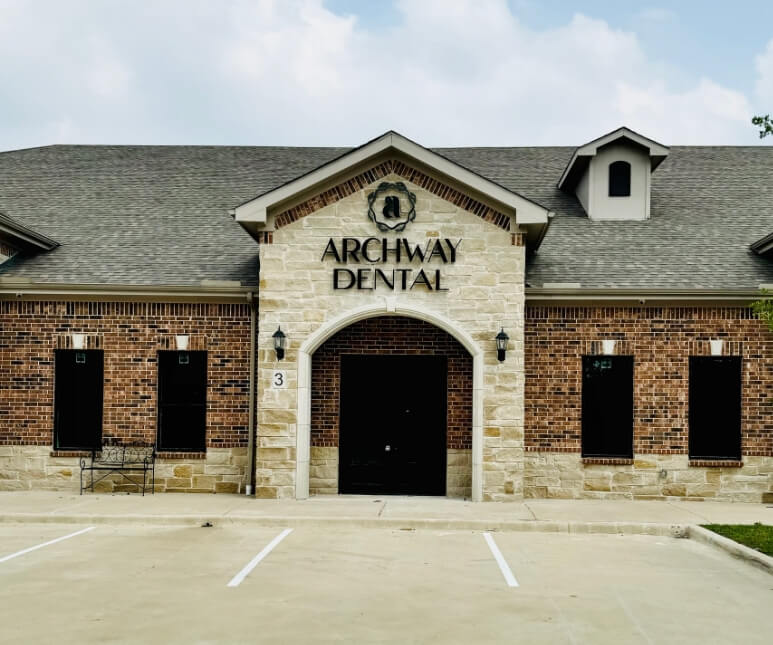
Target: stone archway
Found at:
x=388, y=308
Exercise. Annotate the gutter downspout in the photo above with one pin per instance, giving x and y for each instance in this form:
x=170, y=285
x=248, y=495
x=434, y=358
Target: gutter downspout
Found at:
x=251, y=452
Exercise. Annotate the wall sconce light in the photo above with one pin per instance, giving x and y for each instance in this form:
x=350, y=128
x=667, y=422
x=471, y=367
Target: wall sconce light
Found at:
x=501, y=339
x=182, y=343
x=78, y=341
x=279, y=343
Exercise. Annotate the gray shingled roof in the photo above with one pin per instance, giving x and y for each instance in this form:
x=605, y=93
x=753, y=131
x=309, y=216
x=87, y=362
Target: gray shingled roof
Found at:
x=148, y=215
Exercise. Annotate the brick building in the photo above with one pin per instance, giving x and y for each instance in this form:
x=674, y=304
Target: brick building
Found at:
x=492, y=323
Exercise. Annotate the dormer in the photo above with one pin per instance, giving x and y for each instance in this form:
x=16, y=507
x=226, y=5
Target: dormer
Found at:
x=15, y=238
x=611, y=175
x=764, y=247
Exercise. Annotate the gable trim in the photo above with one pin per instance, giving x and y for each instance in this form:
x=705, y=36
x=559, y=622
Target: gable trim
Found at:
x=21, y=236
x=763, y=245
x=256, y=210
x=392, y=166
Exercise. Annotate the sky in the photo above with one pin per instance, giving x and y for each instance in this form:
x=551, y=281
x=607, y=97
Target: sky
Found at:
x=341, y=72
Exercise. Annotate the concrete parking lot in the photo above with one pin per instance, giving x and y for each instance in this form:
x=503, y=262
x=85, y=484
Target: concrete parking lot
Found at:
x=170, y=584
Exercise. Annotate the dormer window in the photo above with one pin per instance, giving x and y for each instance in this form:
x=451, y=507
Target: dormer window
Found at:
x=620, y=179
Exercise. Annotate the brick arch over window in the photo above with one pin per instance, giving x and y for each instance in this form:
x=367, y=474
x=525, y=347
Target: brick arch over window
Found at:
x=390, y=335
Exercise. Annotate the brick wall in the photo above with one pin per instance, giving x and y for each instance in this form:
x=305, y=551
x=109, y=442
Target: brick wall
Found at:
x=661, y=340
x=395, y=336
x=130, y=334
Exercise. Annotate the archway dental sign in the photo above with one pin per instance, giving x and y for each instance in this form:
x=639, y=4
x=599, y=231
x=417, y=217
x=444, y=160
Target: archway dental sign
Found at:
x=375, y=251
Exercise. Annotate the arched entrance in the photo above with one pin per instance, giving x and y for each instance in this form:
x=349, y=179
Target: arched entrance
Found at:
x=441, y=438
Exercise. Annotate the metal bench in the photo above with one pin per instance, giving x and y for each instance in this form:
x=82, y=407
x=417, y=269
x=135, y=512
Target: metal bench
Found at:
x=121, y=459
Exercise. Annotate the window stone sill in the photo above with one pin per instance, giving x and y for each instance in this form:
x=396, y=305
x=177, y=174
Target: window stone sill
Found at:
x=716, y=463
x=181, y=455
x=607, y=461
x=70, y=453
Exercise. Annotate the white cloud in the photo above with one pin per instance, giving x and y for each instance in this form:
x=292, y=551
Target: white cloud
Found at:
x=293, y=72
x=764, y=87
x=706, y=113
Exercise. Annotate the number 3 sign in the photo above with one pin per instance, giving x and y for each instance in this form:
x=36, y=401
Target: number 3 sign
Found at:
x=278, y=380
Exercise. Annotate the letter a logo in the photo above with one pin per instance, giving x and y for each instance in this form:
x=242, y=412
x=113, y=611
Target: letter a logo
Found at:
x=391, y=216
x=391, y=208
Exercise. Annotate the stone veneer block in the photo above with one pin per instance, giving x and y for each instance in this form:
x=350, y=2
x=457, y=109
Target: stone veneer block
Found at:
x=323, y=471
x=563, y=475
x=485, y=292
x=33, y=467
x=459, y=473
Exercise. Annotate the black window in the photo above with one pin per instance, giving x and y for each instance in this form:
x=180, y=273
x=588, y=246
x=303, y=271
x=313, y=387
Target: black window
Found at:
x=607, y=406
x=715, y=407
x=620, y=179
x=182, y=401
x=78, y=399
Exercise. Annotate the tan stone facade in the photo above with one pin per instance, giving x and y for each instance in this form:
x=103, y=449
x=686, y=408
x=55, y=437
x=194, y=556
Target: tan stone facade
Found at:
x=222, y=470
x=485, y=293
x=459, y=473
x=565, y=476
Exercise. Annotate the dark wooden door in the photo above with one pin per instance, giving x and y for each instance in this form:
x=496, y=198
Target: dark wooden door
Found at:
x=715, y=407
x=607, y=406
x=78, y=398
x=393, y=425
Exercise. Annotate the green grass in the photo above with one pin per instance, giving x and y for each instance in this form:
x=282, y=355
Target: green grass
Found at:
x=756, y=536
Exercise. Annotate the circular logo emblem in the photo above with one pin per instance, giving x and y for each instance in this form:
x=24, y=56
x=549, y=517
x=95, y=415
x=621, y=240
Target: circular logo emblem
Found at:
x=391, y=206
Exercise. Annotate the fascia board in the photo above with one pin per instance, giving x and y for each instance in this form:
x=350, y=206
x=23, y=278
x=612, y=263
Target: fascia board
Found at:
x=257, y=209
x=21, y=288
x=655, y=149
x=534, y=217
x=27, y=237
x=763, y=245
x=643, y=296
x=520, y=204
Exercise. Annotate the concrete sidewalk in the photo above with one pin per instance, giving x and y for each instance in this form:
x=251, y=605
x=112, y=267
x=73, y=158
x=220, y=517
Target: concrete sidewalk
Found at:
x=604, y=516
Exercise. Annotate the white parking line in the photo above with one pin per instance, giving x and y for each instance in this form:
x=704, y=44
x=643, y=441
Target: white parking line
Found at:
x=40, y=546
x=503, y=566
x=237, y=579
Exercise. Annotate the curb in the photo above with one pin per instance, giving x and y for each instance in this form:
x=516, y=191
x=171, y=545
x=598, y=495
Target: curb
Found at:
x=542, y=526
x=699, y=534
